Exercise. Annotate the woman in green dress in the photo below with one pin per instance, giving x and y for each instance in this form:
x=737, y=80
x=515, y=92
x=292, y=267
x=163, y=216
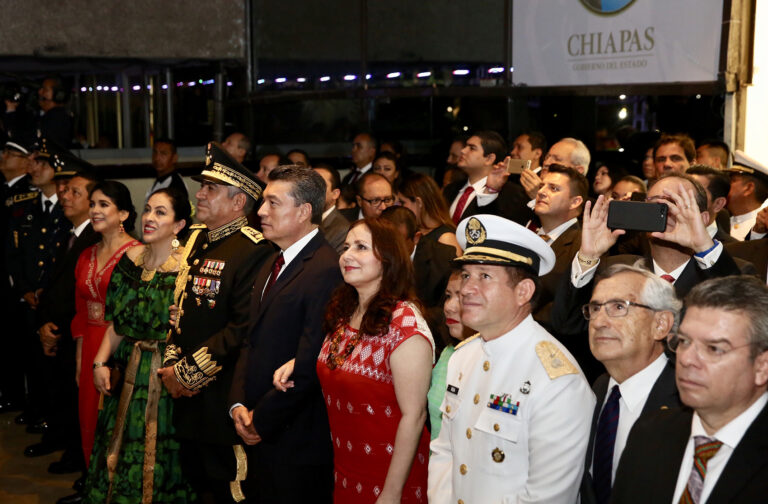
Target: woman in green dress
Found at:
x=135, y=456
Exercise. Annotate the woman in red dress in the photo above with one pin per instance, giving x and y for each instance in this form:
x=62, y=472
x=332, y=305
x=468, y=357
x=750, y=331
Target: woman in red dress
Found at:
x=374, y=368
x=112, y=214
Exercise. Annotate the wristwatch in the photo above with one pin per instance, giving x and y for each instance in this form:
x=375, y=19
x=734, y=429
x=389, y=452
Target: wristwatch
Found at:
x=97, y=365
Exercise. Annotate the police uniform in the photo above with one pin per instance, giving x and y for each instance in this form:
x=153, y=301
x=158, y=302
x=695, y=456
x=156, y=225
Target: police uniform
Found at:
x=212, y=321
x=517, y=408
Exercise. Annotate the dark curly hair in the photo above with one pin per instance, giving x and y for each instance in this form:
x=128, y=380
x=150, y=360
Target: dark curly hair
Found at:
x=119, y=194
x=396, y=283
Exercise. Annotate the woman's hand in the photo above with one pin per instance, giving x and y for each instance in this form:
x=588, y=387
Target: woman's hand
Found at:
x=101, y=379
x=280, y=379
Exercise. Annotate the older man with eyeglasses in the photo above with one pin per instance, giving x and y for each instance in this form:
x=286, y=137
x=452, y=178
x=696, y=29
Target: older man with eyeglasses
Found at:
x=374, y=194
x=630, y=314
x=716, y=452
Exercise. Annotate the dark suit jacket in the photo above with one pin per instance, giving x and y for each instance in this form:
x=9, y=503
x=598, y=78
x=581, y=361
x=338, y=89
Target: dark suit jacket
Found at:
x=566, y=317
x=663, y=395
x=511, y=203
x=651, y=462
x=335, y=228
x=351, y=214
x=754, y=251
x=565, y=248
x=288, y=323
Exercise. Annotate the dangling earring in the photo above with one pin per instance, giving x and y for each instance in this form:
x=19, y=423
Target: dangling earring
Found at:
x=122, y=229
x=175, y=244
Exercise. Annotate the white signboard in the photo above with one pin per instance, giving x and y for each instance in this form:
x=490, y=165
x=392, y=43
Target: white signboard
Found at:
x=592, y=42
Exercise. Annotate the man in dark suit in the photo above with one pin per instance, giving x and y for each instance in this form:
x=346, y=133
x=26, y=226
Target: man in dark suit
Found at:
x=684, y=254
x=716, y=184
x=291, y=455
x=481, y=193
x=715, y=453
x=334, y=225
x=164, y=158
x=630, y=315
x=54, y=315
x=363, y=151
x=753, y=251
x=224, y=256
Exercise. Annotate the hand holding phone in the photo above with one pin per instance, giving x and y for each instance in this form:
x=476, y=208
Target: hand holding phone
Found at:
x=637, y=216
x=516, y=166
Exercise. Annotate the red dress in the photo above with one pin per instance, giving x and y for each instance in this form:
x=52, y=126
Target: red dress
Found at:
x=88, y=323
x=363, y=412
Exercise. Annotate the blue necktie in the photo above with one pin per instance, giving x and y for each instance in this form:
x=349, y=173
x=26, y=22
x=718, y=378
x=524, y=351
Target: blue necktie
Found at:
x=605, y=439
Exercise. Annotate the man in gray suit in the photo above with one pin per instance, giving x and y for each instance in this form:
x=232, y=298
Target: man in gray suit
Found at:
x=335, y=225
x=630, y=314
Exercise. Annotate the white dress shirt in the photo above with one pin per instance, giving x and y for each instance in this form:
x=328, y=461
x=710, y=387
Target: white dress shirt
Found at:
x=634, y=394
x=53, y=199
x=730, y=435
x=479, y=192
x=556, y=232
x=79, y=229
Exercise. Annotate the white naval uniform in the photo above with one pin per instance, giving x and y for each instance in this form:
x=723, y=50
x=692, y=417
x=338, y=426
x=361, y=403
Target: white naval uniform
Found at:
x=484, y=455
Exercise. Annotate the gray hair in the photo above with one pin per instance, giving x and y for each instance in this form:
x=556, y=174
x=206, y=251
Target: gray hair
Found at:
x=233, y=191
x=744, y=294
x=656, y=293
x=308, y=186
x=580, y=155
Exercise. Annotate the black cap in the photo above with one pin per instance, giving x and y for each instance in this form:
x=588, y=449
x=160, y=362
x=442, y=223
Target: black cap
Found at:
x=221, y=168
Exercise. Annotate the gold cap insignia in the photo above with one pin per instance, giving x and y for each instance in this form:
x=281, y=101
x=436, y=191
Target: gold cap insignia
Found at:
x=475, y=232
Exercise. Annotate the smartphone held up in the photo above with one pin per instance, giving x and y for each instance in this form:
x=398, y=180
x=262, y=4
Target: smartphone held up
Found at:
x=637, y=216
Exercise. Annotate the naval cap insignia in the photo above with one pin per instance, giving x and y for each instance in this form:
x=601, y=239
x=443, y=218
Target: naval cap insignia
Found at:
x=475, y=232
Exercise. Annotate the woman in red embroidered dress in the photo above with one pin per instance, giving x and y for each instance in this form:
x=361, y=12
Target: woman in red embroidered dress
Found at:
x=112, y=214
x=374, y=374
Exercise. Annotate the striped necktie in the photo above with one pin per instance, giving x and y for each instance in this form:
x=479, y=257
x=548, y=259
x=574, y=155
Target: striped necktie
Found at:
x=706, y=448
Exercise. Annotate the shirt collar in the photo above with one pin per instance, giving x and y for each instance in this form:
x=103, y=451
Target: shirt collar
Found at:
x=227, y=229
x=511, y=341
x=364, y=169
x=79, y=229
x=53, y=199
x=478, y=186
x=291, y=252
x=732, y=432
x=555, y=233
x=674, y=274
x=328, y=212
x=712, y=229
x=635, y=389
x=15, y=179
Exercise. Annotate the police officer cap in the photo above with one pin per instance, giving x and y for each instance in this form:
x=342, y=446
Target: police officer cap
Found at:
x=17, y=145
x=742, y=163
x=65, y=164
x=221, y=168
x=46, y=149
x=490, y=239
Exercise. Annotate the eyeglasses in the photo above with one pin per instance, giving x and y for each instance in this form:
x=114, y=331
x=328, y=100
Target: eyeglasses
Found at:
x=613, y=308
x=708, y=351
x=378, y=201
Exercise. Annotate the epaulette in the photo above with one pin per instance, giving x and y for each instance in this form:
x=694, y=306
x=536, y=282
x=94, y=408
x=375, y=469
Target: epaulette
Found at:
x=252, y=234
x=474, y=336
x=554, y=360
x=18, y=198
x=198, y=226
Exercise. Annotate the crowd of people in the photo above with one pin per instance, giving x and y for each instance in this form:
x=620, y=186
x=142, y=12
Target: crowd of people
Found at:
x=484, y=336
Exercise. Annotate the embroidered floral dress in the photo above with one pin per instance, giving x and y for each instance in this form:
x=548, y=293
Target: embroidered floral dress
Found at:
x=88, y=323
x=135, y=447
x=363, y=412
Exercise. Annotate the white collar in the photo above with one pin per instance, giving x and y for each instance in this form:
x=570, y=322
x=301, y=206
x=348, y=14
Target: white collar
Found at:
x=712, y=229
x=478, y=186
x=53, y=199
x=635, y=389
x=674, y=274
x=15, y=179
x=293, y=250
x=513, y=340
x=364, y=169
x=79, y=229
x=738, y=219
x=555, y=233
x=732, y=432
x=328, y=212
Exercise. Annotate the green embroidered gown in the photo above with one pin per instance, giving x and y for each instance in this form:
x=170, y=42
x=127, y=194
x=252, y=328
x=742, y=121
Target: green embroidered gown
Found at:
x=139, y=311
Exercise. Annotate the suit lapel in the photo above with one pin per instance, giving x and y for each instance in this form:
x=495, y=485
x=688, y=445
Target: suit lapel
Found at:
x=664, y=393
x=746, y=460
x=565, y=240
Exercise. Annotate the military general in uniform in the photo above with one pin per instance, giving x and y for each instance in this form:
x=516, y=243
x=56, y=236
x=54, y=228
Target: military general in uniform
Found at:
x=223, y=256
x=517, y=408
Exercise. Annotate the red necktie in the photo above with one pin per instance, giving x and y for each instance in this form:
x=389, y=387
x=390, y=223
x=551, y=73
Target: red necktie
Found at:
x=275, y=271
x=668, y=278
x=461, y=204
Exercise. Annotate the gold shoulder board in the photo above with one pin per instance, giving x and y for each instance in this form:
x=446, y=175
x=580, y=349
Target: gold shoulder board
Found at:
x=474, y=336
x=198, y=226
x=252, y=234
x=554, y=360
x=25, y=196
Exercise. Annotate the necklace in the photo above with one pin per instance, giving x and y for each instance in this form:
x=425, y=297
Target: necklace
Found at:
x=170, y=264
x=334, y=359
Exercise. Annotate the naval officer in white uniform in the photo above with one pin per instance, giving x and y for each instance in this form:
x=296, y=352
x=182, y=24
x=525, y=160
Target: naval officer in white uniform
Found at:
x=517, y=408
